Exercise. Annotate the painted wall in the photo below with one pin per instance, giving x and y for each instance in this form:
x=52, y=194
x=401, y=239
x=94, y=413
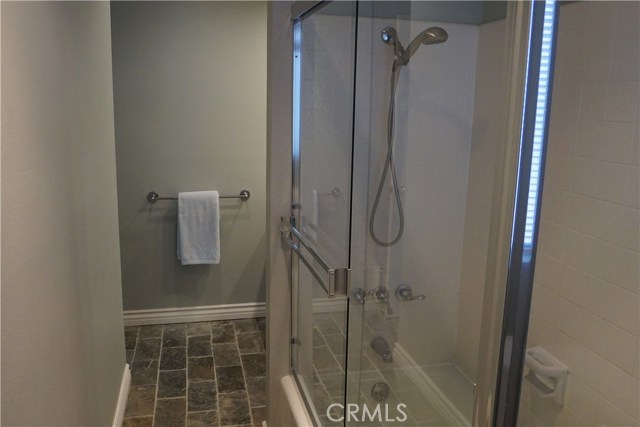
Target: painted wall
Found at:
x=587, y=283
x=190, y=108
x=62, y=333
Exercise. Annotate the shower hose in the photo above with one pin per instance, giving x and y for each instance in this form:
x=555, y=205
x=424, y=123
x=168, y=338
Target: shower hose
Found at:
x=389, y=166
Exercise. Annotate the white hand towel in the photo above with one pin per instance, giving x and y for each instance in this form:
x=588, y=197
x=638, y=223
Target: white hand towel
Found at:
x=199, y=227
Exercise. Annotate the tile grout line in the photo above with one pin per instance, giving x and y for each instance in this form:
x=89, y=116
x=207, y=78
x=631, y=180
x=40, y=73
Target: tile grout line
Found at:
x=244, y=378
x=186, y=373
x=135, y=348
x=215, y=371
x=155, y=400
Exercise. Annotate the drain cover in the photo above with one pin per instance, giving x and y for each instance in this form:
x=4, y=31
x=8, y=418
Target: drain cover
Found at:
x=380, y=391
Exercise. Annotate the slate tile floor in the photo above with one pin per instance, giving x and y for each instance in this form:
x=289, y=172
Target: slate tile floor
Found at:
x=205, y=374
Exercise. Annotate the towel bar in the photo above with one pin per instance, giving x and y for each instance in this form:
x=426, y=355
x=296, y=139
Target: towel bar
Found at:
x=153, y=197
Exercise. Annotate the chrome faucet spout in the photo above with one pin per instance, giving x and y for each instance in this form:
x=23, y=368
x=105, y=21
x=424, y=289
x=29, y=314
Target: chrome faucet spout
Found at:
x=381, y=346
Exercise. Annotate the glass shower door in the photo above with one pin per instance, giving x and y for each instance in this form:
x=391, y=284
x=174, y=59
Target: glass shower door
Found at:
x=405, y=124
x=430, y=116
x=319, y=226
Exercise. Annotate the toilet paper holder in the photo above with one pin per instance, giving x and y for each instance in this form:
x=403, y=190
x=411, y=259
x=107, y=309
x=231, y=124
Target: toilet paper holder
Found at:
x=546, y=375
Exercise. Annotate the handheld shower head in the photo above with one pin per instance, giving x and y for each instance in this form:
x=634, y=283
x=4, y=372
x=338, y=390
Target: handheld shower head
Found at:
x=432, y=35
x=389, y=35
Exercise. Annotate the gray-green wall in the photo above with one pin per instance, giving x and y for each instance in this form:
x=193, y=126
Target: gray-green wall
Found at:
x=190, y=112
x=62, y=339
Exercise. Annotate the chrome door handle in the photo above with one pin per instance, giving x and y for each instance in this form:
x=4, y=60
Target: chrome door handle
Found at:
x=336, y=281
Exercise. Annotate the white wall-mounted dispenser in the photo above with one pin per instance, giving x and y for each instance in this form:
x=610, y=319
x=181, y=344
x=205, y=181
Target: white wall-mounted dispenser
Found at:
x=546, y=375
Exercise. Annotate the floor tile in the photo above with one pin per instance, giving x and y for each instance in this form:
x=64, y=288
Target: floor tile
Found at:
x=174, y=335
x=258, y=415
x=172, y=384
x=202, y=419
x=245, y=325
x=318, y=339
x=257, y=389
x=234, y=409
x=199, y=345
x=201, y=369
x=170, y=412
x=250, y=342
x=254, y=365
x=173, y=358
x=222, y=332
x=140, y=401
x=130, y=338
x=186, y=387
x=336, y=343
x=326, y=324
x=144, y=372
x=324, y=361
x=198, y=328
x=138, y=422
x=202, y=396
x=150, y=331
x=229, y=379
x=226, y=354
x=148, y=349
x=334, y=383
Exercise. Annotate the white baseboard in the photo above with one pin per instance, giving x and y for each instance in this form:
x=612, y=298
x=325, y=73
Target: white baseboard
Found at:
x=118, y=418
x=423, y=382
x=209, y=313
x=194, y=314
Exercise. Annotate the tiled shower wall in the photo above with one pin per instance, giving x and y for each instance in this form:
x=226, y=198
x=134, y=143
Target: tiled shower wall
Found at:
x=585, y=302
x=431, y=154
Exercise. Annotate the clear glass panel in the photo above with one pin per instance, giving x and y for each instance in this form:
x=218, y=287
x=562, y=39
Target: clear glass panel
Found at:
x=448, y=125
x=327, y=58
x=324, y=49
x=585, y=306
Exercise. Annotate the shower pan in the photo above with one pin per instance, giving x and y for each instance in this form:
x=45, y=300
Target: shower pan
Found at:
x=398, y=226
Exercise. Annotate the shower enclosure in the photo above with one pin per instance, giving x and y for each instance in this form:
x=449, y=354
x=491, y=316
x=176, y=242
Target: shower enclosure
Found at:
x=419, y=144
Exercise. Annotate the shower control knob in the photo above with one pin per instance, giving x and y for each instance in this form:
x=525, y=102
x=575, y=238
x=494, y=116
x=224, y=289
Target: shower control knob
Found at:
x=380, y=295
x=359, y=296
x=405, y=293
